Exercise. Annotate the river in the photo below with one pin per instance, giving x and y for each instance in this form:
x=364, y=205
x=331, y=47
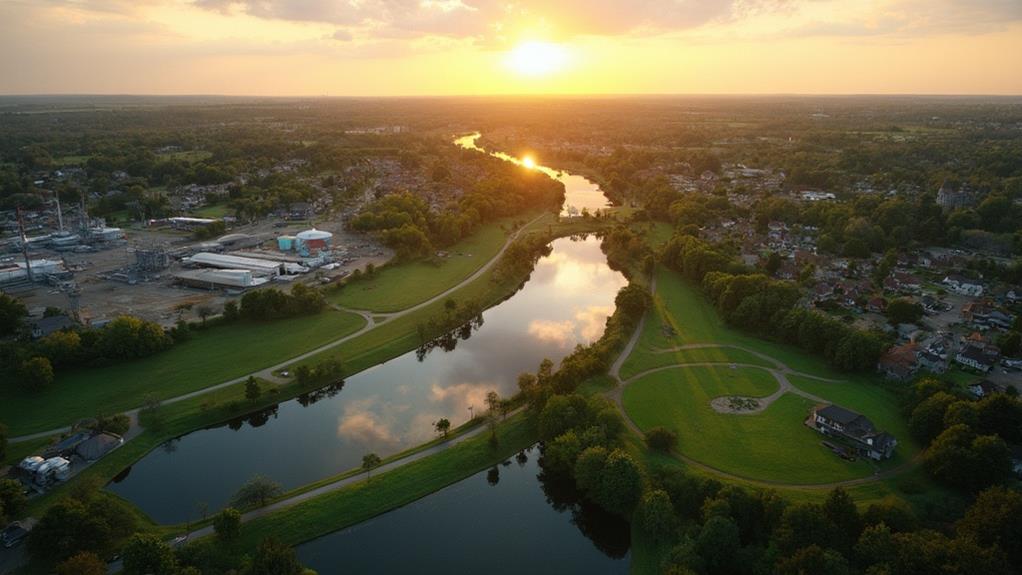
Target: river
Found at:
x=392, y=406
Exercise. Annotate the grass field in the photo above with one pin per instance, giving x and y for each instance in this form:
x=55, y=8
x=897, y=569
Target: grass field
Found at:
x=772, y=446
x=356, y=503
x=222, y=353
x=213, y=211
x=399, y=286
x=683, y=307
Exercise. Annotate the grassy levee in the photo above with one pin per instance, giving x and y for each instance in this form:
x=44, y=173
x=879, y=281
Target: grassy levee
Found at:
x=364, y=500
x=212, y=356
x=396, y=287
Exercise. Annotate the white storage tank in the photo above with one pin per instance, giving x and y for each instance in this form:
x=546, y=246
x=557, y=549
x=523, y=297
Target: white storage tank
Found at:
x=313, y=241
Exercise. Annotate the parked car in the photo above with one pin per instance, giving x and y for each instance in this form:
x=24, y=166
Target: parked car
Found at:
x=13, y=534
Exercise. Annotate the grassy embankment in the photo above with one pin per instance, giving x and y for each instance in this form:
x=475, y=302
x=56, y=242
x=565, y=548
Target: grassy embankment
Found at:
x=212, y=356
x=396, y=287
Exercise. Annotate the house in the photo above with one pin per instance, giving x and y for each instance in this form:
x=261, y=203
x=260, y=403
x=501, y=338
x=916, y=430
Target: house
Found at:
x=949, y=199
x=822, y=291
x=856, y=429
x=931, y=362
x=963, y=285
x=899, y=362
x=998, y=318
x=877, y=305
x=976, y=357
x=976, y=312
x=45, y=326
x=984, y=388
x=906, y=281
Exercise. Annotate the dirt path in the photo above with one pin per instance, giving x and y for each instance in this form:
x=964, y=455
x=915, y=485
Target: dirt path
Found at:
x=268, y=372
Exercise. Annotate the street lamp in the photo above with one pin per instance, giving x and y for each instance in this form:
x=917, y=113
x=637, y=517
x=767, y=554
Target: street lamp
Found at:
x=471, y=415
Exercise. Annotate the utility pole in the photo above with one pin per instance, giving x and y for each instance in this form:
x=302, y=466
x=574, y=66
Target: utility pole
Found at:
x=24, y=245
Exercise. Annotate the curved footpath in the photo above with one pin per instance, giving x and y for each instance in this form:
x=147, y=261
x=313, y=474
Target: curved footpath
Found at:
x=780, y=372
x=268, y=373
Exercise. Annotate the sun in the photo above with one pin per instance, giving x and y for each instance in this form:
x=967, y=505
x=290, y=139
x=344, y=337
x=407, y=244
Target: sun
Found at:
x=534, y=58
x=529, y=163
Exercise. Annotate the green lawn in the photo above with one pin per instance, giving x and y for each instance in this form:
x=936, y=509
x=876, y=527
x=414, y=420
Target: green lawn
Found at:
x=403, y=285
x=771, y=446
x=213, y=211
x=682, y=306
x=222, y=353
x=356, y=503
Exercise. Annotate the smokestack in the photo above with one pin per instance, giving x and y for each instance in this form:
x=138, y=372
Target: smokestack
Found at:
x=24, y=245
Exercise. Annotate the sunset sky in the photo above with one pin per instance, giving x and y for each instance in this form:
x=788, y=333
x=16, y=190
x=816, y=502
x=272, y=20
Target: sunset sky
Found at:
x=427, y=47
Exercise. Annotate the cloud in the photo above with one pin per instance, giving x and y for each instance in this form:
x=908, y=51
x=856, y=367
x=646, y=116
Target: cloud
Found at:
x=342, y=35
x=557, y=332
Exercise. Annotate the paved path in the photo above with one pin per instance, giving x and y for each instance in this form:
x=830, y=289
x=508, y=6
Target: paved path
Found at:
x=268, y=373
x=780, y=371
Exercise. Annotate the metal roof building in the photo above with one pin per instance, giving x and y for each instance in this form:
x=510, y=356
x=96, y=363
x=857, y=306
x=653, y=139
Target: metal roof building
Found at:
x=228, y=262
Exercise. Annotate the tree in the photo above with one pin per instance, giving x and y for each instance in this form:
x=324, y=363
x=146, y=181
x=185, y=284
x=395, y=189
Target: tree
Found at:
x=656, y=515
x=12, y=313
x=204, y=312
x=717, y=543
x=661, y=439
x=995, y=518
x=442, y=426
x=611, y=479
x=37, y=373
x=927, y=419
x=813, y=559
x=370, y=461
x=251, y=389
x=843, y=514
x=68, y=528
x=903, y=311
x=227, y=525
x=118, y=424
x=492, y=401
x=13, y=501
x=773, y=263
x=83, y=563
x=256, y=492
x=147, y=554
x=231, y=312
x=274, y=558
x=956, y=454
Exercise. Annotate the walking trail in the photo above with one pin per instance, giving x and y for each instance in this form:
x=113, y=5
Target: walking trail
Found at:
x=268, y=372
x=780, y=371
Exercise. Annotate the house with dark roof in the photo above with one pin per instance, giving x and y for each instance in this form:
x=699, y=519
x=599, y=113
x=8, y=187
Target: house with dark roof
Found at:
x=984, y=388
x=855, y=429
x=977, y=357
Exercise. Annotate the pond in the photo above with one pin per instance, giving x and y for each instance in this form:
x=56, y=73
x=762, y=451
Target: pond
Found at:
x=389, y=407
x=509, y=519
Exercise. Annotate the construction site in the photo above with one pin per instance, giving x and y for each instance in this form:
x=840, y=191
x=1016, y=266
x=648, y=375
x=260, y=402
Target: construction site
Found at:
x=158, y=271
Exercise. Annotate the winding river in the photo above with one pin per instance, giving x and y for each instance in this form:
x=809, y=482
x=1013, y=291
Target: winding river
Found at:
x=392, y=406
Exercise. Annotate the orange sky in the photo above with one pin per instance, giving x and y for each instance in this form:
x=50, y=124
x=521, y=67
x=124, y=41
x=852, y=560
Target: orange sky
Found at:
x=406, y=47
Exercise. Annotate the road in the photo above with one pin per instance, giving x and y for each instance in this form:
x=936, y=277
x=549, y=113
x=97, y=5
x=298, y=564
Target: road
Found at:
x=268, y=373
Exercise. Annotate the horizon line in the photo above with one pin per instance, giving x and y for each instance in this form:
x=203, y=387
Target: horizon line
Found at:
x=519, y=95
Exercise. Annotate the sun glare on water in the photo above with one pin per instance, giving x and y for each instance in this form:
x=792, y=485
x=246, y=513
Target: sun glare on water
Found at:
x=529, y=162
x=537, y=58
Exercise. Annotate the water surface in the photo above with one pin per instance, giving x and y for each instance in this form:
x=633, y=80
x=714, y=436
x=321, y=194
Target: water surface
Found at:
x=505, y=520
x=389, y=407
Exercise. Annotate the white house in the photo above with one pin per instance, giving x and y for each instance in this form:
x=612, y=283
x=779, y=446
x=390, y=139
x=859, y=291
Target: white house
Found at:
x=963, y=285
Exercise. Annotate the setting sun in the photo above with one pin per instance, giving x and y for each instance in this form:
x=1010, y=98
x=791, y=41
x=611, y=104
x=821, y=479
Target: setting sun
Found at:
x=529, y=162
x=537, y=58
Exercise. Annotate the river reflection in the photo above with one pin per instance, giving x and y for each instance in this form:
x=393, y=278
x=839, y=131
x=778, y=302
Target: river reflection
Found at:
x=579, y=193
x=512, y=518
x=389, y=407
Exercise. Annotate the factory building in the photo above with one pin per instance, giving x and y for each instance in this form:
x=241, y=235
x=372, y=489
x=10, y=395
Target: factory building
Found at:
x=213, y=279
x=258, y=267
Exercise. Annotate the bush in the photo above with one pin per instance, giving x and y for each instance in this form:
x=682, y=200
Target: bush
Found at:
x=227, y=525
x=661, y=439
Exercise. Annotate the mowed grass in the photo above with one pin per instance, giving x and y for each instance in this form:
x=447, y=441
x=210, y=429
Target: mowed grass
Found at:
x=356, y=503
x=873, y=401
x=403, y=285
x=772, y=446
x=208, y=358
x=681, y=305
